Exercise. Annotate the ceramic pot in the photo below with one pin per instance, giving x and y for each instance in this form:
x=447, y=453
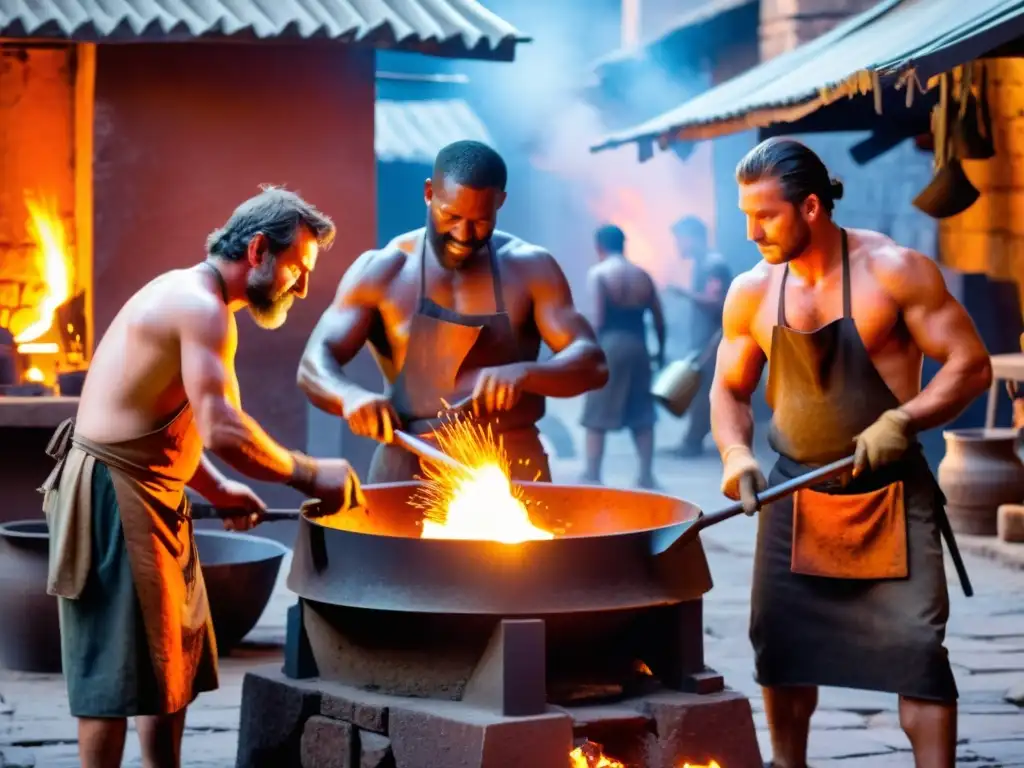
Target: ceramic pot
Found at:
x=240, y=571
x=29, y=626
x=980, y=471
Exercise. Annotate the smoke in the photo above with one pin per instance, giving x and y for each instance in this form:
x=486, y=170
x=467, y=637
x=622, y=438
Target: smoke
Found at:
x=613, y=187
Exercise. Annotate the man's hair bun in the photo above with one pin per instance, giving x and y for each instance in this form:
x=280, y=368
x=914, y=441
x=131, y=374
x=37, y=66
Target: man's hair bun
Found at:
x=835, y=187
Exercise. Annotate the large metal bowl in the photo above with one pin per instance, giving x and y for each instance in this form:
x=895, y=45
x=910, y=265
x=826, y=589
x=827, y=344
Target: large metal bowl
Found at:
x=610, y=554
x=240, y=573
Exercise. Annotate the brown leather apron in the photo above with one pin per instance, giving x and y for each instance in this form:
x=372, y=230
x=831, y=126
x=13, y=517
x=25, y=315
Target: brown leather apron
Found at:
x=446, y=350
x=849, y=581
x=149, y=474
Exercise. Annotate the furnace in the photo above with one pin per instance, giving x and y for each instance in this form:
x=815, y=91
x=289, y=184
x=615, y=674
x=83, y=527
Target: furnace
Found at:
x=416, y=651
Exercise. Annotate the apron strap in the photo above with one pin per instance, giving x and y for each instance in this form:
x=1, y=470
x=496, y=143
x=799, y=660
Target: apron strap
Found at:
x=782, y=298
x=847, y=299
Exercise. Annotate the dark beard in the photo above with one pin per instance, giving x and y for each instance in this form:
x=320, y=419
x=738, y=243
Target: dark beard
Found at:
x=800, y=245
x=439, y=242
x=266, y=307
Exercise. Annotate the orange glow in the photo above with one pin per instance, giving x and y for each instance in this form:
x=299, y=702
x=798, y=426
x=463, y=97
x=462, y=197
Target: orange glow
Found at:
x=481, y=504
x=712, y=764
x=47, y=230
x=590, y=755
x=35, y=375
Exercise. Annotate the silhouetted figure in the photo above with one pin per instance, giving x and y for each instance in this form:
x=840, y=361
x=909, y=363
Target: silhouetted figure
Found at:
x=709, y=285
x=623, y=294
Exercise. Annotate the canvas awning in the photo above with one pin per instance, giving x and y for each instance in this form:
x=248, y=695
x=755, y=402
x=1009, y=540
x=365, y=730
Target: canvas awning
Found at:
x=414, y=131
x=901, y=42
x=456, y=28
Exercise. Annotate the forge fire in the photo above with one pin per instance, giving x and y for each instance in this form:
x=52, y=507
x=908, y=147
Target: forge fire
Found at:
x=481, y=504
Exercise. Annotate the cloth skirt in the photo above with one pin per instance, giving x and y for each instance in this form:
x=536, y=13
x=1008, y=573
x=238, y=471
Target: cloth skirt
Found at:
x=625, y=402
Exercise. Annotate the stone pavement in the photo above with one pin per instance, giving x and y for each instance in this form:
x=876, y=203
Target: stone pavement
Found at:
x=852, y=729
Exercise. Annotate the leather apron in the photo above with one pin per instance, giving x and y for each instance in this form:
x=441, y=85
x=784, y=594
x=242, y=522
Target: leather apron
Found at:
x=445, y=352
x=849, y=581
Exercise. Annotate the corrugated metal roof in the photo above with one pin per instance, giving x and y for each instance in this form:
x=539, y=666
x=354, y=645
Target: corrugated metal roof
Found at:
x=442, y=27
x=414, y=131
x=906, y=41
x=692, y=17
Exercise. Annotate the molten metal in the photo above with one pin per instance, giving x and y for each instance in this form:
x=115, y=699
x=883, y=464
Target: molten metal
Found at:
x=480, y=504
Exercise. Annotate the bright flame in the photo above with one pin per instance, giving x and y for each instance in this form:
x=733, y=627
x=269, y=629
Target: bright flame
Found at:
x=35, y=375
x=712, y=764
x=481, y=504
x=47, y=230
x=590, y=755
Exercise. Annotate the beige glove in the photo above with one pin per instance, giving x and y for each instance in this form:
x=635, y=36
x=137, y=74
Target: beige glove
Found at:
x=742, y=477
x=883, y=442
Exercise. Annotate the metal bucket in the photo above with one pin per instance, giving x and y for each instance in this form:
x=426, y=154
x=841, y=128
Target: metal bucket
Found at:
x=677, y=384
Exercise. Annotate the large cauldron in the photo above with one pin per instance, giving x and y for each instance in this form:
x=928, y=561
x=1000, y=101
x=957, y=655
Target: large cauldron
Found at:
x=240, y=573
x=612, y=556
x=29, y=626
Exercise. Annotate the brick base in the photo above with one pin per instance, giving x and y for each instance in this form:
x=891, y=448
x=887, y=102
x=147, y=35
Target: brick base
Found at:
x=288, y=723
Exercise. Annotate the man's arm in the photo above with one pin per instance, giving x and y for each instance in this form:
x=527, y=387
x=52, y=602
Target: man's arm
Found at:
x=658, y=316
x=208, y=481
x=207, y=349
x=944, y=332
x=578, y=364
x=337, y=338
x=739, y=365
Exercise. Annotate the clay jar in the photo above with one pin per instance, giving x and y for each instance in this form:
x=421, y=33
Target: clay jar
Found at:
x=980, y=471
x=29, y=626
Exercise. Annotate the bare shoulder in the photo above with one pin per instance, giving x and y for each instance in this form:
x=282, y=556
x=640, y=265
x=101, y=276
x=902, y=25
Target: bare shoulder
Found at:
x=903, y=273
x=370, y=276
x=745, y=295
x=518, y=254
x=183, y=301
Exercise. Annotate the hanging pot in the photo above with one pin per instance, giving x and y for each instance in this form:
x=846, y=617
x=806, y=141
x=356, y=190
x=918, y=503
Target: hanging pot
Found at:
x=950, y=192
x=972, y=132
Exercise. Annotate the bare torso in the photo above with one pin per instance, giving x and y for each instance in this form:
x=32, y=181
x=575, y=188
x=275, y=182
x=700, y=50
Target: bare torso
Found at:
x=135, y=383
x=875, y=262
x=624, y=284
x=395, y=271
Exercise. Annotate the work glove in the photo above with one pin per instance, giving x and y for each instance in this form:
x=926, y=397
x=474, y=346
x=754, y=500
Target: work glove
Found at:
x=742, y=478
x=883, y=442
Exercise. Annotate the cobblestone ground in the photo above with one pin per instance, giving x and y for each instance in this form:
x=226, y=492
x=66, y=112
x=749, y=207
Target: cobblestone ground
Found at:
x=852, y=729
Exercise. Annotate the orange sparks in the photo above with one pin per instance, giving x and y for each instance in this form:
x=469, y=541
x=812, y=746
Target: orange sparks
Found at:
x=481, y=504
x=591, y=755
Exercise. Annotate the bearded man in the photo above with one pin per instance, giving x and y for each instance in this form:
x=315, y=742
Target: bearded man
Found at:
x=136, y=634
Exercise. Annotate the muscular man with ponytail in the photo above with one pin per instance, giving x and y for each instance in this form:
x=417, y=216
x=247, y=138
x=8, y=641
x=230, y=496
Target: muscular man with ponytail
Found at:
x=849, y=586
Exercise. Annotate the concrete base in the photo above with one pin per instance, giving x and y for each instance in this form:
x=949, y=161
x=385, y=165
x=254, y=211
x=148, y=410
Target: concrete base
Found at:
x=288, y=723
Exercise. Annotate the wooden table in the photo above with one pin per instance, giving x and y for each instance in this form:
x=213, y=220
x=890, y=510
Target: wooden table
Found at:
x=1004, y=368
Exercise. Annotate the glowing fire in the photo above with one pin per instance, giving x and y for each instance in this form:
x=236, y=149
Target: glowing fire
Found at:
x=481, y=504
x=47, y=230
x=35, y=375
x=590, y=755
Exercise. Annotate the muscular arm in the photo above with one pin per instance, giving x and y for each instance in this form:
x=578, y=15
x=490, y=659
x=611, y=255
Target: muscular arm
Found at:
x=208, y=481
x=943, y=331
x=339, y=335
x=739, y=365
x=207, y=370
x=578, y=364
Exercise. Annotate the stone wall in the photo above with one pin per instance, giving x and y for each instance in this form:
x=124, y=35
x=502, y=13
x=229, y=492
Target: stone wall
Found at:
x=989, y=236
x=785, y=24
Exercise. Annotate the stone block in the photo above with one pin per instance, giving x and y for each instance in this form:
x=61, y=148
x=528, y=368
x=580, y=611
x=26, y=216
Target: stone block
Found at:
x=361, y=708
x=445, y=735
x=698, y=729
x=272, y=716
x=625, y=734
x=375, y=751
x=1010, y=523
x=327, y=743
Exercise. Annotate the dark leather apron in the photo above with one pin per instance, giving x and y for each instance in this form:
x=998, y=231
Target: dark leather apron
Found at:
x=446, y=350
x=862, y=631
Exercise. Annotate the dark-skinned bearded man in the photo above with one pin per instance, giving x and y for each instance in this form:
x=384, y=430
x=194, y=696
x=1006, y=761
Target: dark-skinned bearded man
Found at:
x=453, y=311
x=849, y=585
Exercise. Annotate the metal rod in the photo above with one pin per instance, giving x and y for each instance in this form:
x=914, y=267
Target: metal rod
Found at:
x=425, y=450
x=780, y=491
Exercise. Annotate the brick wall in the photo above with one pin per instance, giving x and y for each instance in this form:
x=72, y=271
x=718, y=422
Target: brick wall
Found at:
x=989, y=236
x=785, y=24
